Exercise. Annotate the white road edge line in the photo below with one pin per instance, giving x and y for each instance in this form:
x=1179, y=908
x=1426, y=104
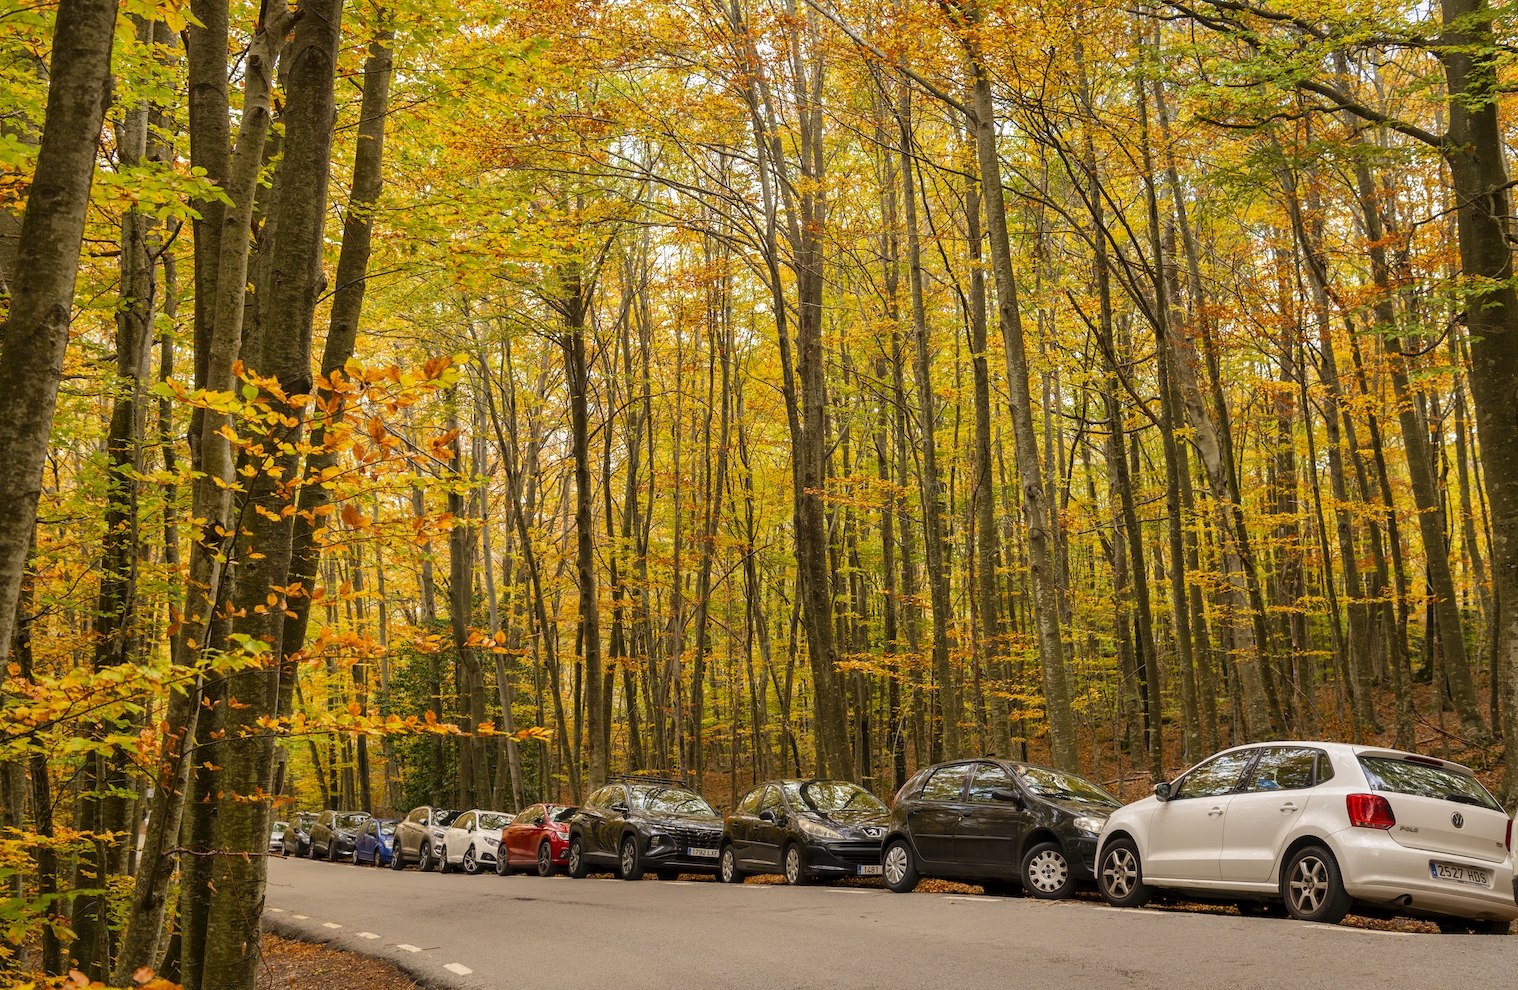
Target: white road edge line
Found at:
x=458, y=968
x=302, y=917
x=1351, y=928
x=329, y=924
x=367, y=935
x=277, y=910
x=408, y=947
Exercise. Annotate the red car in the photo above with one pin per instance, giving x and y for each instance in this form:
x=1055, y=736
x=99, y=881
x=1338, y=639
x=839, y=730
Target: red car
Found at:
x=537, y=840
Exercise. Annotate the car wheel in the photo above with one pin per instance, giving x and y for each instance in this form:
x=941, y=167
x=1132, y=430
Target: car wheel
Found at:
x=897, y=868
x=1120, y=876
x=546, y=867
x=471, y=862
x=443, y=866
x=1046, y=872
x=397, y=858
x=795, y=870
x=1313, y=889
x=424, y=858
x=578, y=868
x=502, y=864
x=332, y=850
x=311, y=851
x=727, y=867
x=628, y=860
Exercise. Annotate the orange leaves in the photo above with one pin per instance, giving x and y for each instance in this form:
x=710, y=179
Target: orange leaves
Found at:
x=352, y=518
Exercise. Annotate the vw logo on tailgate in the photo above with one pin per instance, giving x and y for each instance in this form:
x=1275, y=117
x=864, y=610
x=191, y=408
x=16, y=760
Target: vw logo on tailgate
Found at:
x=1457, y=820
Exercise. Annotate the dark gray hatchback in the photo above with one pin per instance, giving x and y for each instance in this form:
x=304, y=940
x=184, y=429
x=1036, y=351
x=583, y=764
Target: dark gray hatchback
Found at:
x=996, y=823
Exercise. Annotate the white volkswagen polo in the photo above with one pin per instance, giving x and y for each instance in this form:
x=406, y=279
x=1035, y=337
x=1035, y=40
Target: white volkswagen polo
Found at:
x=1322, y=827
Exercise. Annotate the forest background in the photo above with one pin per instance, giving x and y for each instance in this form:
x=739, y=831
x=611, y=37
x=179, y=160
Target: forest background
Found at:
x=457, y=404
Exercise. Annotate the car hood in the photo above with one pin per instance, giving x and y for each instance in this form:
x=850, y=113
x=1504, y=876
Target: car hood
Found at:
x=1090, y=809
x=869, y=823
x=684, y=821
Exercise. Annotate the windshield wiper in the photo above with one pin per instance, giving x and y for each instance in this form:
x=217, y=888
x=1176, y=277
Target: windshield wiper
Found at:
x=1465, y=799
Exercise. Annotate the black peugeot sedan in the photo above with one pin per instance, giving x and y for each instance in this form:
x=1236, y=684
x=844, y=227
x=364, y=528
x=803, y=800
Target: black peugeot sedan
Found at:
x=996, y=823
x=806, y=830
x=643, y=825
x=335, y=834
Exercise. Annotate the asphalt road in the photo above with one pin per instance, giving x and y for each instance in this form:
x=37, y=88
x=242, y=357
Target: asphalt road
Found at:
x=486, y=931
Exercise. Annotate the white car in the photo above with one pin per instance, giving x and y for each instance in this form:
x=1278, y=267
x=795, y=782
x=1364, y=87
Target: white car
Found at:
x=472, y=840
x=1322, y=827
x=277, y=837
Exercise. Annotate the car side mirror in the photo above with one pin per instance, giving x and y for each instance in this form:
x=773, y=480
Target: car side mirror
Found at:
x=1162, y=791
x=620, y=808
x=767, y=816
x=1001, y=794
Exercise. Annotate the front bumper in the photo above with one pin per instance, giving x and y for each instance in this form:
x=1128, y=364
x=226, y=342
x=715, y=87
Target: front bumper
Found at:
x=843, y=857
x=1080, y=853
x=667, y=852
x=1380, y=872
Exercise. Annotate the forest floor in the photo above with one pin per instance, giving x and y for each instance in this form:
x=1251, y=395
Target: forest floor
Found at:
x=294, y=965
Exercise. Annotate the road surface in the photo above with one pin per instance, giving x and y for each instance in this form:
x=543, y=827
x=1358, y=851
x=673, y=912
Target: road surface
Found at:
x=487, y=931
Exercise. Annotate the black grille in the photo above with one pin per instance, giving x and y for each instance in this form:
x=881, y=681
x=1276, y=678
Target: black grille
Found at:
x=858, y=852
x=701, y=838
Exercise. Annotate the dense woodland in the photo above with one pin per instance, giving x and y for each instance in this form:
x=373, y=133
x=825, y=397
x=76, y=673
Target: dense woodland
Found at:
x=460, y=403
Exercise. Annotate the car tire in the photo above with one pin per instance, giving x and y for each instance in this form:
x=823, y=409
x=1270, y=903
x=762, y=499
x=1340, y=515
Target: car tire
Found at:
x=629, y=863
x=332, y=850
x=311, y=851
x=793, y=867
x=1046, y=872
x=578, y=868
x=397, y=858
x=546, y=866
x=897, y=867
x=1120, y=877
x=727, y=867
x=443, y=866
x=1312, y=887
x=502, y=864
x=471, y=862
x=424, y=858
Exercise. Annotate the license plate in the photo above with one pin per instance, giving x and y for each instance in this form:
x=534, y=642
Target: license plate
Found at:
x=1460, y=874
x=702, y=853
x=870, y=871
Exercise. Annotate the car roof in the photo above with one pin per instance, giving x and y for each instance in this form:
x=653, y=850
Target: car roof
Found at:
x=1353, y=750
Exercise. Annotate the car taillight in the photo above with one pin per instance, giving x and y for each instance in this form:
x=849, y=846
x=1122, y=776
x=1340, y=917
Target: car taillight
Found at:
x=1369, y=811
x=1509, y=839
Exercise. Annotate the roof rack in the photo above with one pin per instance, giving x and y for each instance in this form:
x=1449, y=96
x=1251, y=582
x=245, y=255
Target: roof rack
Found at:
x=641, y=778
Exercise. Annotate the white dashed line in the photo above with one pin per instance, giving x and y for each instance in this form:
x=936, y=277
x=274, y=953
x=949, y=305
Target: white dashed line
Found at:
x=302, y=917
x=972, y=899
x=367, y=935
x=328, y=924
x=277, y=910
x=409, y=948
x=458, y=968
x=1357, y=931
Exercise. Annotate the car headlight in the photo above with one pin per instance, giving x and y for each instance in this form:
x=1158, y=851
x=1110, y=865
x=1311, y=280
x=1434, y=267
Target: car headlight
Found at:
x=490, y=840
x=1088, y=824
x=816, y=829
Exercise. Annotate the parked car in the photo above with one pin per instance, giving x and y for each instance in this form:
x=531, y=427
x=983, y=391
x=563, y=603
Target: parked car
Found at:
x=642, y=825
x=996, y=823
x=537, y=839
x=297, y=839
x=373, y=845
x=471, y=840
x=1322, y=827
x=418, y=837
x=804, y=829
x=277, y=837
x=335, y=834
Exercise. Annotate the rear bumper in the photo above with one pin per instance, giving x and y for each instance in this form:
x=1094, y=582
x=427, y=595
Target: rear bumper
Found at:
x=1380, y=872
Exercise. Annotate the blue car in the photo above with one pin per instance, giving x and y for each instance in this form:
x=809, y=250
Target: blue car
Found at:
x=374, y=842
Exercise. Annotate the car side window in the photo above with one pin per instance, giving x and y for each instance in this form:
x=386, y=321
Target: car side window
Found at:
x=600, y=798
x=1325, y=769
x=616, y=794
x=750, y=803
x=772, y=801
x=1216, y=776
x=1282, y=768
x=417, y=814
x=465, y=822
x=990, y=777
x=946, y=783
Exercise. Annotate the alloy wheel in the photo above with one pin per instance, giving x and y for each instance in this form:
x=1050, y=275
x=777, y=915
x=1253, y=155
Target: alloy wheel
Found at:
x=1308, y=885
x=545, y=860
x=1120, y=873
x=471, y=862
x=424, y=858
x=1048, y=871
x=896, y=863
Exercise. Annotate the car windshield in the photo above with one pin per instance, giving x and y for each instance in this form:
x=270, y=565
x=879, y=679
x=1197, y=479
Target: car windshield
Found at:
x=387, y=828
x=1402, y=777
x=305, y=819
x=561, y=814
x=671, y=801
x=442, y=817
x=491, y=820
x=827, y=796
x=280, y=827
x=352, y=821
x=1054, y=784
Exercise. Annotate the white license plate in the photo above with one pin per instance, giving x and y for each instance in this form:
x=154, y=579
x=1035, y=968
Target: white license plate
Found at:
x=702, y=853
x=1460, y=874
x=870, y=871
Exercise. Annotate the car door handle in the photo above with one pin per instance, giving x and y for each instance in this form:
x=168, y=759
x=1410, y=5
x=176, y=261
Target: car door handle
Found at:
x=1214, y=813
x=1288, y=807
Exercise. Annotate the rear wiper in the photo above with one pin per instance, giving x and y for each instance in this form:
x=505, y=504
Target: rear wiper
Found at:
x=1464, y=799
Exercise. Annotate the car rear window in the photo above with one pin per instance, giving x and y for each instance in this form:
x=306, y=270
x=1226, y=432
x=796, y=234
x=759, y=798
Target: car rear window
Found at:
x=1402, y=777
